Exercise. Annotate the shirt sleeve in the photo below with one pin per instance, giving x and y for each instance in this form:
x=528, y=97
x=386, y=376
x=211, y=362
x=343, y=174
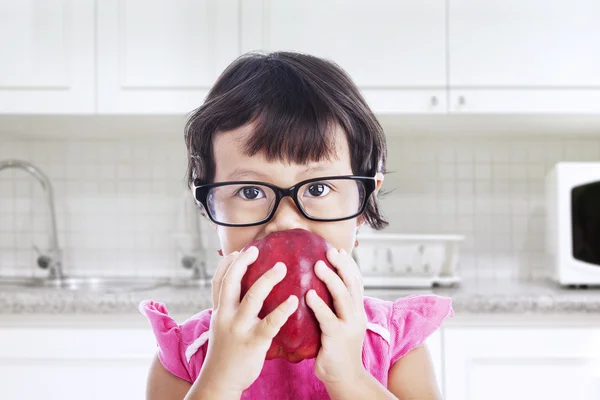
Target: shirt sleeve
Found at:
x=170, y=339
x=413, y=319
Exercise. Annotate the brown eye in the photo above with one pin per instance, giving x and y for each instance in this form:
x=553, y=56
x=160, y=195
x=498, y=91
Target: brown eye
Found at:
x=318, y=190
x=250, y=193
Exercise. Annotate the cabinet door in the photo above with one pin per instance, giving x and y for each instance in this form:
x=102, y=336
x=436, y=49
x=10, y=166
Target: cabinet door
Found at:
x=394, y=50
x=434, y=344
x=66, y=363
x=522, y=364
x=524, y=56
x=46, y=57
x=160, y=56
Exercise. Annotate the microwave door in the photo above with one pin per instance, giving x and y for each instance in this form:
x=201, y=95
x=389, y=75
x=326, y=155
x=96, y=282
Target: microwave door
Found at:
x=585, y=217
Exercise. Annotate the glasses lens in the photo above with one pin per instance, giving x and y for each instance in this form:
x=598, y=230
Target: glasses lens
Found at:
x=332, y=198
x=240, y=204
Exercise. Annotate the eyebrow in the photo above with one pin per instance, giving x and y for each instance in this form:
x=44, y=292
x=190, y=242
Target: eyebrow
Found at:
x=315, y=168
x=243, y=173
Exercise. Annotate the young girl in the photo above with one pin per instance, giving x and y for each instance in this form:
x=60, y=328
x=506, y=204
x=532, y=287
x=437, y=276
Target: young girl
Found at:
x=283, y=120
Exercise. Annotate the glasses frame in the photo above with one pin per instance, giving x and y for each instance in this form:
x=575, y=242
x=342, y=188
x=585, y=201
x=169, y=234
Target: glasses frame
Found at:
x=201, y=194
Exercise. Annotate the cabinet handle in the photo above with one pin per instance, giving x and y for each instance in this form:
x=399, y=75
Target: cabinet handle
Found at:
x=434, y=101
x=461, y=100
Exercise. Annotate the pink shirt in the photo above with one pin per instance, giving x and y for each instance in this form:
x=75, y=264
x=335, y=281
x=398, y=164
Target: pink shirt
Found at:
x=393, y=329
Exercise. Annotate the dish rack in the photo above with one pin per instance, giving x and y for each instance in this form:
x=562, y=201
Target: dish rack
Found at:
x=408, y=260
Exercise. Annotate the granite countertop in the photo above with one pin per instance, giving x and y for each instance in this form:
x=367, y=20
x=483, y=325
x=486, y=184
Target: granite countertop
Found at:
x=470, y=297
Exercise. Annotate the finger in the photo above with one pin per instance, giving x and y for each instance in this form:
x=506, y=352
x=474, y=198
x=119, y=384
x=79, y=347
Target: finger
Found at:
x=270, y=325
x=255, y=296
x=326, y=317
x=229, y=296
x=348, y=270
x=341, y=297
x=218, y=276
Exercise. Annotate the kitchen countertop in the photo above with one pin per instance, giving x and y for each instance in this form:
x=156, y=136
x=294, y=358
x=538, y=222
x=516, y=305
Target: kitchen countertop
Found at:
x=470, y=297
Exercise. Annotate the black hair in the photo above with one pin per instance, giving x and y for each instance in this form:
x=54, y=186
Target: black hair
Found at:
x=294, y=101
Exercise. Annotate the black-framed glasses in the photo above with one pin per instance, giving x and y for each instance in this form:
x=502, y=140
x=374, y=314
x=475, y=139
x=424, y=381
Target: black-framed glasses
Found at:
x=249, y=203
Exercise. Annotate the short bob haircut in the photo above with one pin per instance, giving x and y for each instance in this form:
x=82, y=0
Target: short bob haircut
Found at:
x=294, y=101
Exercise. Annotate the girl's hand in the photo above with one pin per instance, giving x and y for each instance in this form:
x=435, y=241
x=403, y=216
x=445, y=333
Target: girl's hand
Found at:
x=238, y=339
x=340, y=358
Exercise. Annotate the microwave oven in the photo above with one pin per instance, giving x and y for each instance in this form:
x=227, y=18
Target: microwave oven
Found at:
x=573, y=222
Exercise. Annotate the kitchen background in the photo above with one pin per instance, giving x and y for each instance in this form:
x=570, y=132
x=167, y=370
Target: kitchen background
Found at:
x=479, y=99
x=119, y=201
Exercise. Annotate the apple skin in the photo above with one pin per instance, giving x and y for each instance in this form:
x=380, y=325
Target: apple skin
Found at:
x=300, y=337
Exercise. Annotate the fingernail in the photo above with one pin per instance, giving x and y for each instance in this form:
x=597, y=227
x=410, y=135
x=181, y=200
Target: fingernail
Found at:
x=290, y=300
x=320, y=264
x=279, y=267
x=251, y=249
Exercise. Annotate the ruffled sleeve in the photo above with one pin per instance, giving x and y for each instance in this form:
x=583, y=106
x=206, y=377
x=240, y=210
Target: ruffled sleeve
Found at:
x=181, y=348
x=413, y=319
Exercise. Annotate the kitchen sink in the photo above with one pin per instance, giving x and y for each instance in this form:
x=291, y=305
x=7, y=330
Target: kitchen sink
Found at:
x=95, y=284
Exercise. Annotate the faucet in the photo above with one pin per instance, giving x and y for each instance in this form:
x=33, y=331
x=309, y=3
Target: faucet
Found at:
x=197, y=266
x=52, y=260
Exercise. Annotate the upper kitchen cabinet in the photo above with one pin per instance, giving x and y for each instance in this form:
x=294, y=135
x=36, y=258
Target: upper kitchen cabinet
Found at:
x=46, y=57
x=160, y=56
x=524, y=56
x=394, y=50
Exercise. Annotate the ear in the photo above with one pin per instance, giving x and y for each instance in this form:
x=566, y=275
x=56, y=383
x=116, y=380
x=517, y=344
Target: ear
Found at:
x=360, y=221
x=379, y=179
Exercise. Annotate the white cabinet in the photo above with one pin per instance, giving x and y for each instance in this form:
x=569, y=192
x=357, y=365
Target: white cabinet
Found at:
x=395, y=51
x=522, y=363
x=74, y=363
x=406, y=56
x=162, y=57
x=434, y=344
x=108, y=357
x=46, y=56
x=522, y=56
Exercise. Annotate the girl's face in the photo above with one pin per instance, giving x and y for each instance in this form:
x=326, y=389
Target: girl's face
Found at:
x=232, y=164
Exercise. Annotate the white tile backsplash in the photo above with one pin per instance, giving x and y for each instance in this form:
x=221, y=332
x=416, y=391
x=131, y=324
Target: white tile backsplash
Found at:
x=118, y=200
x=489, y=189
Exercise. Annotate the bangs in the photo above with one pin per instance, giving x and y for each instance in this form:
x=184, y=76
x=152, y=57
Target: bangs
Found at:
x=293, y=116
x=293, y=124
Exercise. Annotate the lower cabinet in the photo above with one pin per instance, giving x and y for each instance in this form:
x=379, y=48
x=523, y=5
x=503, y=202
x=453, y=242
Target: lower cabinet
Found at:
x=434, y=344
x=67, y=363
x=110, y=360
x=522, y=363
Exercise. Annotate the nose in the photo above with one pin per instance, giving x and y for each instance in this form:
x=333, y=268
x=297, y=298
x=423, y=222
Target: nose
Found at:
x=287, y=216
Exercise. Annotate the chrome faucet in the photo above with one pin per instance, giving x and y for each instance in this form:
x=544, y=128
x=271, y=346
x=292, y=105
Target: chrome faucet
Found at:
x=52, y=259
x=198, y=267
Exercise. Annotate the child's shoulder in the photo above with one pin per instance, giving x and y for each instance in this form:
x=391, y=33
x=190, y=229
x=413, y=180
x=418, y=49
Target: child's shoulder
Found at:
x=427, y=306
x=407, y=322
x=177, y=343
x=159, y=317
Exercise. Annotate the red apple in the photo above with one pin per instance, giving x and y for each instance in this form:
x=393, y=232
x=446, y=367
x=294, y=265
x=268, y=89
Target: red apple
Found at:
x=299, y=250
